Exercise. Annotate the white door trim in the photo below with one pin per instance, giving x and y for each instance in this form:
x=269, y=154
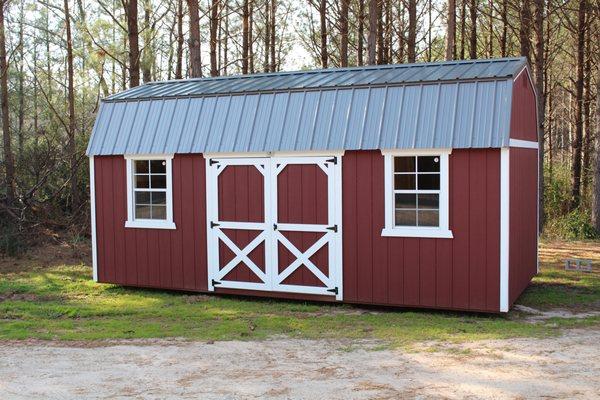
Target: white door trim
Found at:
x=271, y=229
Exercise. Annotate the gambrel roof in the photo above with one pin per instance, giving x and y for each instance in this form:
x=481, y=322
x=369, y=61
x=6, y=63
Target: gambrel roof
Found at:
x=458, y=104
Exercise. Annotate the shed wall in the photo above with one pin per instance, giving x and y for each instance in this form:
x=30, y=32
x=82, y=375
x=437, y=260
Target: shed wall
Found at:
x=523, y=220
x=523, y=120
x=458, y=273
x=170, y=259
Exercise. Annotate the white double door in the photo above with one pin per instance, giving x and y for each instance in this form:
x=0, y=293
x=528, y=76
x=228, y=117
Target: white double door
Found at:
x=274, y=224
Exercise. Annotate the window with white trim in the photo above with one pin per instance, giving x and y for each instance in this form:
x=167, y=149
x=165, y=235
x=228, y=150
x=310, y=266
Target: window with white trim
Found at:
x=416, y=191
x=149, y=192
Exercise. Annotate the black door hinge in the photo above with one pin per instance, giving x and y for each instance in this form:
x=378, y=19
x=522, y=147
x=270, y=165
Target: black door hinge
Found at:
x=332, y=228
x=213, y=224
x=212, y=161
x=275, y=227
x=333, y=160
x=334, y=290
x=215, y=283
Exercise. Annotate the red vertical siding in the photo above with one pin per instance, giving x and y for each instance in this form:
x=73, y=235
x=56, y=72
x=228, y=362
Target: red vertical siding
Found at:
x=523, y=122
x=459, y=273
x=523, y=220
x=171, y=259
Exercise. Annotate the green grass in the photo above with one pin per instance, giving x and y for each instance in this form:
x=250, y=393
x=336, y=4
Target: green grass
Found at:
x=556, y=288
x=61, y=302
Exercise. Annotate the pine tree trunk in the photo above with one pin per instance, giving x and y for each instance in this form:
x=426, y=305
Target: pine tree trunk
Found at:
x=323, y=25
x=245, y=37
x=21, y=110
x=179, y=61
x=214, y=26
x=451, y=30
x=9, y=164
x=380, y=45
x=578, y=138
x=412, y=31
x=133, y=39
x=463, y=27
x=361, y=32
x=473, y=37
x=541, y=102
x=267, y=37
x=272, y=31
x=371, y=37
x=401, y=34
x=587, y=115
x=71, y=102
x=525, y=30
x=504, y=35
x=147, y=56
x=194, y=42
x=250, y=36
x=344, y=32
x=224, y=30
x=596, y=194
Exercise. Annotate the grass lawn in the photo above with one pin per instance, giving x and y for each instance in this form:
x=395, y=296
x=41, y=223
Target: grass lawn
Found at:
x=45, y=298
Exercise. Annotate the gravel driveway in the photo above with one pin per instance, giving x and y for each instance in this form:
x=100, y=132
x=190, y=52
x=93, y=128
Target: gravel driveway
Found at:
x=565, y=367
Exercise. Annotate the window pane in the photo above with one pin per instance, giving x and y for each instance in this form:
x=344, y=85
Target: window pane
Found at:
x=406, y=217
x=406, y=200
x=429, y=164
x=158, y=166
x=159, y=198
x=404, y=164
x=141, y=181
x=429, y=201
x=159, y=181
x=142, y=212
x=404, y=182
x=428, y=182
x=141, y=166
x=142, y=198
x=159, y=212
x=429, y=218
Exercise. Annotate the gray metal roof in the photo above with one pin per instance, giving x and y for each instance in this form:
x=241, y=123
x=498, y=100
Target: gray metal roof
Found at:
x=453, y=104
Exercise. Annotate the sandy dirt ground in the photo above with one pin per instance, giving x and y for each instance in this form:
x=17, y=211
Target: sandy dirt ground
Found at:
x=565, y=367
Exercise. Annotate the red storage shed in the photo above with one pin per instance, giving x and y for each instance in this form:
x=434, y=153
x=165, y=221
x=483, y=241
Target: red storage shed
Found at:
x=405, y=185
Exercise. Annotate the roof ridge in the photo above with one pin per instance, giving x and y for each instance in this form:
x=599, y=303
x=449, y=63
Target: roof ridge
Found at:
x=339, y=69
x=335, y=77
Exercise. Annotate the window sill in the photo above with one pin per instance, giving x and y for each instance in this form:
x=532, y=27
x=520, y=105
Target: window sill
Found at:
x=417, y=233
x=149, y=224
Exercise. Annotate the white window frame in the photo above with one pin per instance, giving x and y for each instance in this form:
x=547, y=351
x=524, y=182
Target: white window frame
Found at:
x=132, y=222
x=390, y=229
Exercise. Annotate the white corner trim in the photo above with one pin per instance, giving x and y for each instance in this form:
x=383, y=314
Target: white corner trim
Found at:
x=525, y=144
x=504, y=226
x=417, y=232
x=149, y=223
x=93, y=220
